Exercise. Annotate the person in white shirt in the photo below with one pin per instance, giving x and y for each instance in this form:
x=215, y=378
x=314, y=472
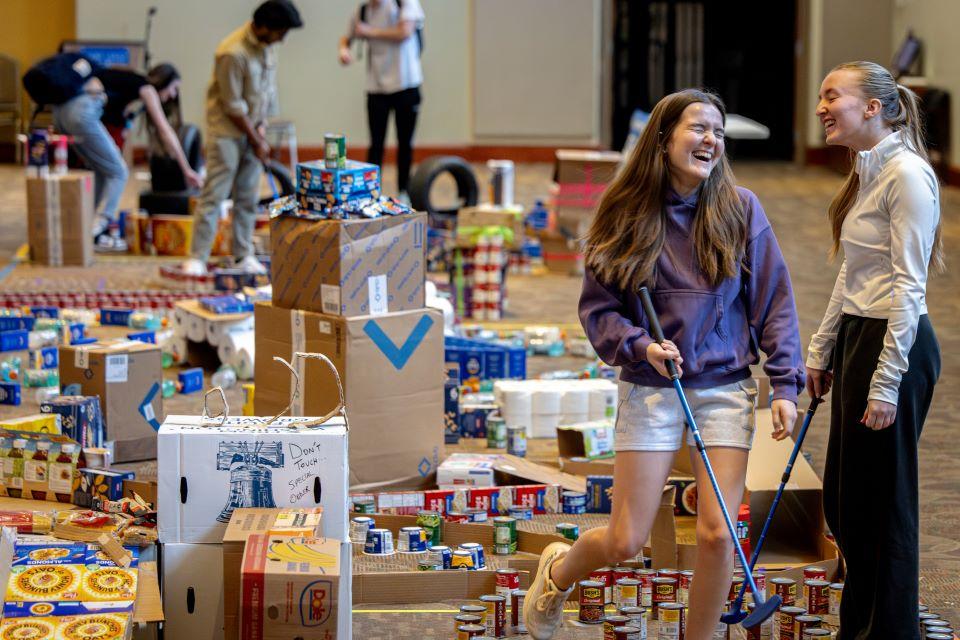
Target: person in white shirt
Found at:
x=876, y=346
x=392, y=30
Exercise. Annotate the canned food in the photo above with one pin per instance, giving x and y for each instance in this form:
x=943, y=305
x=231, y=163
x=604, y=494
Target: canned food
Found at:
x=835, y=595
x=683, y=587
x=521, y=513
x=762, y=631
x=466, y=618
x=672, y=620
x=735, y=583
x=462, y=559
x=623, y=572
x=496, y=432
x=817, y=596
x=334, y=151
x=937, y=626
x=508, y=581
x=430, y=521
x=467, y=631
x=787, y=622
x=637, y=617
x=574, y=502
x=568, y=530
x=626, y=592
x=517, y=441
x=496, y=618
x=474, y=610
x=626, y=633
x=427, y=564
x=664, y=591
x=516, y=610
x=814, y=573
x=476, y=551
x=412, y=540
x=611, y=622
x=459, y=517
x=504, y=535
x=441, y=556
x=786, y=588
x=646, y=576
x=591, y=601
x=379, y=542
x=359, y=527
x=825, y=633
x=760, y=579
x=807, y=622
x=604, y=575
x=476, y=515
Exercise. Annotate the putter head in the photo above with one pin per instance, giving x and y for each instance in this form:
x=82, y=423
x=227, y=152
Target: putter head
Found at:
x=762, y=611
x=735, y=615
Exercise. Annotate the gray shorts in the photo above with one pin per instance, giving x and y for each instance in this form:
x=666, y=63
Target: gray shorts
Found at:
x=651, y=418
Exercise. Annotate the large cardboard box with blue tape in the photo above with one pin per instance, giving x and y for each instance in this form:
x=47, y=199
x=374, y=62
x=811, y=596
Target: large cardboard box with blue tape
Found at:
x=352, y=267
x=392, y=371
x=127, y=375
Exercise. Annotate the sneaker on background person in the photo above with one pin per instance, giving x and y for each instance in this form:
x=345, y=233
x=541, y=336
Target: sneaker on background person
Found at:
x=193, y=267
x=250, y=264
x=543, y=606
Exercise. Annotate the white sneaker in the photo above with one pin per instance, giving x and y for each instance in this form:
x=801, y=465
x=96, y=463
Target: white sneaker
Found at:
x=193, y=267
x=250, y=264
x=543, y=606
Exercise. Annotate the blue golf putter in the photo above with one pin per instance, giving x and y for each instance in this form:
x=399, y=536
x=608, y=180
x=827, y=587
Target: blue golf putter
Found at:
x=764, y=607
x=735, y=614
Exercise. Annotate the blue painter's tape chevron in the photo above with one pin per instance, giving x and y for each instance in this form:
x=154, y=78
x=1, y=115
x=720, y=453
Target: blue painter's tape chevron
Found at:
x=398, y=356
x=148, y=414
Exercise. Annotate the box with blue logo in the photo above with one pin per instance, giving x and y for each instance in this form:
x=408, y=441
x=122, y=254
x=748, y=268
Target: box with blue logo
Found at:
x=353, y=267
x=16, y=323
x=10, y=393
x=319, y=187
x=80, y=418
x=16, y=340
x=486, y=360
x=599, y=494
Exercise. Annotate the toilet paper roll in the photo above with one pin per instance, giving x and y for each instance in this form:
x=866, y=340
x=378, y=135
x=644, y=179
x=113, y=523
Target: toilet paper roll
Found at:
x=547, y=401
x=196, y=328
x=177, y=348
x=180, y=321
x=216, y=329
x=575, y=418
x=232, y=343
x=544, y=426
x=244, y=364
x=516, y=401
x=575, y=400
x=603, y=403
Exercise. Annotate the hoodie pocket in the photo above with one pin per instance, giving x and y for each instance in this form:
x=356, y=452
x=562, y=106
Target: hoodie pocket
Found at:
x=693, y=321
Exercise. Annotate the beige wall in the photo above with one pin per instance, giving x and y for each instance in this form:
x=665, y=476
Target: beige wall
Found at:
x=935, y=23
x=315, y=91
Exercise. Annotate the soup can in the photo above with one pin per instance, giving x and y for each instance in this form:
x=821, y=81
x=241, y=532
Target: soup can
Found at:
x=568, y=530
x=508, y=581
x=412, y=540
x=430, y=521
x=379, y=542
x=504, y=535
x=442, y=556
x=359, y=527
x=591, y=601
x=516, y=610
x=476, y=550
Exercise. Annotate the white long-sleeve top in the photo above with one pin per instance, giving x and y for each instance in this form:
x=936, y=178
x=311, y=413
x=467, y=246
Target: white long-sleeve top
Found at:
x=887, y=239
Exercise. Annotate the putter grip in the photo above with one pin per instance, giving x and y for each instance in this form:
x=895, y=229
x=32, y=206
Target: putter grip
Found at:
x=655, y=330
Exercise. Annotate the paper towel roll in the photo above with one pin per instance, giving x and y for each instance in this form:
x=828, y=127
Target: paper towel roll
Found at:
x=575, y=400
x=196, y=328
x=603, y=403
x=516, y=401
x=180, y=321
x=547, y=401
x=244, y=364
x=216, y=329
x=544, y=426
x=232, y=343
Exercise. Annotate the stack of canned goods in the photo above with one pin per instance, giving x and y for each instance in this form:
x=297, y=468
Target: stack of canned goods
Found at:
x=933, y=627
x=574, y=502
x=504, y=535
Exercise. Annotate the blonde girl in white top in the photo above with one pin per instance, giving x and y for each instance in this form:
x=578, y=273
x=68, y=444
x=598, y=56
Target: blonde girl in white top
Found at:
x=876, y=347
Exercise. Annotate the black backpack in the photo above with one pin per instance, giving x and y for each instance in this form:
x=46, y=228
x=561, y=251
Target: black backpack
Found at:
x=363, y=18
x=59, y=78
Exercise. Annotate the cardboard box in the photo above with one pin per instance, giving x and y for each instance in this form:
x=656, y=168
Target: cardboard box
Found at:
x=592, y=440
x=306, y=593
x=193, y=591
x=581, y=177
x=350, y=267
x=471, y=219
x=319, y=187
x=243, y=524
x=48, y=477
x=80, y=417
x=561, y=254
x=127, y=375
x=206, y=471
x=60, y=211
x=391, y=367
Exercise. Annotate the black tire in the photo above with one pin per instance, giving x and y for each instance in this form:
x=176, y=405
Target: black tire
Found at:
x=166, y=202
x=165, y=173
x=428, y=170
x=282, y=179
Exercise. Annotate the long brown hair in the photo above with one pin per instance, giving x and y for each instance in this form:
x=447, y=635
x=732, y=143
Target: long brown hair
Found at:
x=900, y=109
x=628, y=232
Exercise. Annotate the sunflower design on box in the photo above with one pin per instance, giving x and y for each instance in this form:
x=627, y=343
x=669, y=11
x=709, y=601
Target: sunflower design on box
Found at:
x=44, y=583
x=106, y=626
x=27, y=628
x=108, y=584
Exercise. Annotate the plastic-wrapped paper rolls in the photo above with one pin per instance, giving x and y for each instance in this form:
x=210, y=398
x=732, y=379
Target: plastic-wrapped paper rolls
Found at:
x=517, y=420
x=232, y=343
x=215, y=330
x=544, y=426
x=574, y=418
x=196, y=328
x=547, y=401
x=575, y=401
x=244, y=364
x=180, y=321
x=603, y=403
x=516, y=401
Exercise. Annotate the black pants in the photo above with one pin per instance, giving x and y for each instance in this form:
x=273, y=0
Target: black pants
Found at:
x=405, y=105
x=870, y=485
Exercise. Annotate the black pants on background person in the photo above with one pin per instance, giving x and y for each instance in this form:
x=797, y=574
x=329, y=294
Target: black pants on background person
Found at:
x=405, y=105
x=870, y=482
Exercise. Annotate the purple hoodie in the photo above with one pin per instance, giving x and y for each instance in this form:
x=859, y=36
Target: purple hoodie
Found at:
x=717, y=329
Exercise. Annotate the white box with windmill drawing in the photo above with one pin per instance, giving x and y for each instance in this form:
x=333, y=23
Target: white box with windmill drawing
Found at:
x=208, y=469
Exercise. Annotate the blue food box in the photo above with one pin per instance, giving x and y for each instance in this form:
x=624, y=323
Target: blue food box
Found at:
x=599, y=494
x=46, y=358
x=191, y=380
x=14, y=323
x=9, y=393
x=473, y=419
x=16, y=340
x=226, y=304
x=98, y=483
x=80, y=418
x=451, y=404
x=150, y=337
x=319, y=187
x=115, y=316
x=45, y=312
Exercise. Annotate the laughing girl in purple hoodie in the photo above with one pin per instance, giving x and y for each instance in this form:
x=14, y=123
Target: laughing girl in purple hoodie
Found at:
x=674, y=221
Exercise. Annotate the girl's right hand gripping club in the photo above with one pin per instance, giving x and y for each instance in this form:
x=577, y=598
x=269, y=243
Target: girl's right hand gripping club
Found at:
x=764, y=607
x=736, y=613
